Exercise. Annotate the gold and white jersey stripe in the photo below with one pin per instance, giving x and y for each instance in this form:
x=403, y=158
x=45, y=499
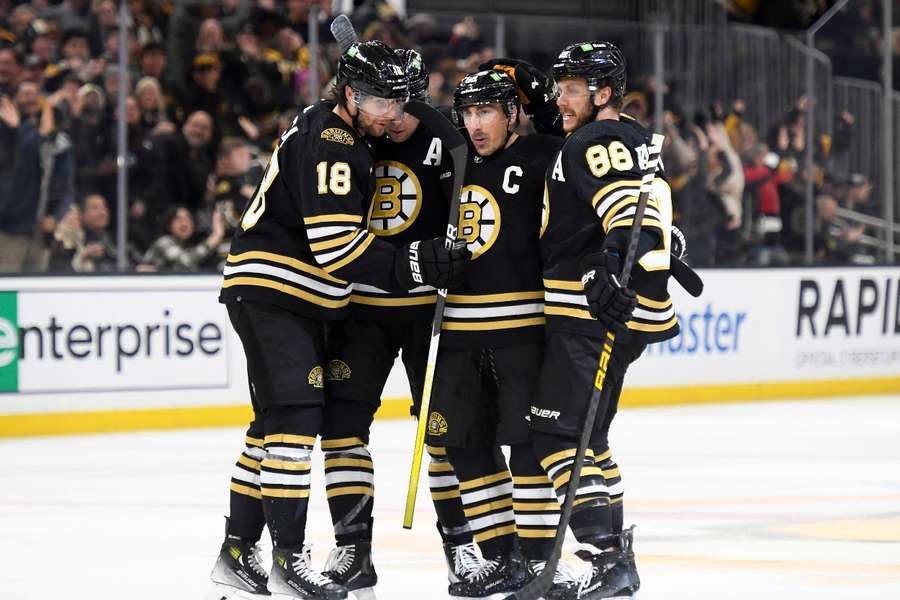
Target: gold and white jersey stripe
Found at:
x=565, y=298
x=287, y=275
x=487, y=312
x=374, y=296
x=336, y=240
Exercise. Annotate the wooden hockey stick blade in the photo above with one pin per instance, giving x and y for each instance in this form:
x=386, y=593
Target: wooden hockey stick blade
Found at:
x=453, y=142
x=541, y=584
x=343, y=32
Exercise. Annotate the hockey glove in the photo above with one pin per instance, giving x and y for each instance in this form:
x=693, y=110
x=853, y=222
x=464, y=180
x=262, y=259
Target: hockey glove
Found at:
x=537, y=93
x=608, y=301
x=428, y=262
x=678, y=244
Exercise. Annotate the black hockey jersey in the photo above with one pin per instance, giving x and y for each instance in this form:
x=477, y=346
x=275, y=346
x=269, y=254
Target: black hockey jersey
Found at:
x=410, y=203
x=500, y=302
x=303, y=236
x=592, y=188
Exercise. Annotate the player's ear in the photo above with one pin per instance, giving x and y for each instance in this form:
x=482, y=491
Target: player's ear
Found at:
x=603, y=96
x=348, y=95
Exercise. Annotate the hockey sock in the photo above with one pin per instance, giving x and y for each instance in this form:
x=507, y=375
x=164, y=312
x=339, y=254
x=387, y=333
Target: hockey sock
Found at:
x=591, y=519
x=452, y=523
x=246, y=518
x=350, y=487
x=284, y=472
x=534, y=503
x=486, y=487
x=614, y=483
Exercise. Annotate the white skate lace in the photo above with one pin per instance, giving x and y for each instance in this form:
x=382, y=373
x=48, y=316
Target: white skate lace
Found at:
x=340, y=559
x=254, y=559
x=301, y=566
x=465, y=560
x=563, y=575
x=487, y=568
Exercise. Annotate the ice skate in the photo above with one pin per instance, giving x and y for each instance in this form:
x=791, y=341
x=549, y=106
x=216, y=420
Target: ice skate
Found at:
x=238, y=573
x=351, y=566
x=462, y=561
x=293, y=576
x=496, y=579
x=565, y=586
x=613, y=571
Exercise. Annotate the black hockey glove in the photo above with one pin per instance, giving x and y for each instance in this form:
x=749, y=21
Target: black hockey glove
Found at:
x=428, y=262
x=608, y=301
x=537, y=93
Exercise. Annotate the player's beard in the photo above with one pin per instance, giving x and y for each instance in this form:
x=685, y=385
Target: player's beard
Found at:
x=582, y=116
x=369, y=125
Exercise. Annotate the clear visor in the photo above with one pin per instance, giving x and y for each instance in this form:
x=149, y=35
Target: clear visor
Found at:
x=473, y=116
x=573, y=88
x=379, y=108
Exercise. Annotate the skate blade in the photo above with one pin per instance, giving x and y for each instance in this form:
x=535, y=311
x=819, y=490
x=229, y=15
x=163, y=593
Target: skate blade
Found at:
x=364, y=594
x=220, y=591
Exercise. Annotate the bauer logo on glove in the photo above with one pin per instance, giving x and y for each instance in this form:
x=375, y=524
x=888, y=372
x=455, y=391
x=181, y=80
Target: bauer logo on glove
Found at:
x=429, y=262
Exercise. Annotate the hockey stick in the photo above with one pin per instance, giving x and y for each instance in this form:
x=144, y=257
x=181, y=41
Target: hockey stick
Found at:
x=343, y=32
x=539, y=586
x=454, y=143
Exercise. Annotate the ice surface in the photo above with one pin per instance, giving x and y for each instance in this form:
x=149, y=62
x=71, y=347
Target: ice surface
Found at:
x=771, y=500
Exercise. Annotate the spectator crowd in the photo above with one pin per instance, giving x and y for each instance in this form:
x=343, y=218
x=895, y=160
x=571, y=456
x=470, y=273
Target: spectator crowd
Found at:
x=212, y=84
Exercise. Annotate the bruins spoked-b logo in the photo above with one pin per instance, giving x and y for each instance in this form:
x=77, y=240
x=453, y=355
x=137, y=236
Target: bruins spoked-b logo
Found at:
x=437, y=424
x=398, y=198
x=479, y=219
x=337, y=370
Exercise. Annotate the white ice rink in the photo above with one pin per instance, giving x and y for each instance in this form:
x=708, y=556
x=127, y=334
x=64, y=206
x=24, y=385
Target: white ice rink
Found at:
x=772, y=500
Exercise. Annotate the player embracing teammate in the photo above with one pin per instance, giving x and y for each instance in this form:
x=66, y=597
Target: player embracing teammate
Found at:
x=303, y=239
x=546, y=223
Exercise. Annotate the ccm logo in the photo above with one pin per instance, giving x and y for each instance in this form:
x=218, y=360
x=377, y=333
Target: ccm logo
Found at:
x=545, y=413
x=414, y=262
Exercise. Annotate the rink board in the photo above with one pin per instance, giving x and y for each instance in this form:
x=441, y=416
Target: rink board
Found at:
x=80, y=354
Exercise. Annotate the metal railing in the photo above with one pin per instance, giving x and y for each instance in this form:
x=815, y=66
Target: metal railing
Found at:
x=700, y=63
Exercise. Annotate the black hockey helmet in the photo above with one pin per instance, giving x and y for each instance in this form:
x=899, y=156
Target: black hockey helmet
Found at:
x=372, y=68
x=485, y=87
x=600, y=63
x=416, y=72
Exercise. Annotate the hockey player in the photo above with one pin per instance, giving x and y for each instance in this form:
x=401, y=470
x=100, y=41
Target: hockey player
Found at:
x=410, y=203
x=302, y=240
x=491, y=343
x=592, y=191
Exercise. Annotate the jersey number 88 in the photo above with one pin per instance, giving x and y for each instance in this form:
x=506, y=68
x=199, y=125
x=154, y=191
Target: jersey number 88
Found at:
x=601, y=159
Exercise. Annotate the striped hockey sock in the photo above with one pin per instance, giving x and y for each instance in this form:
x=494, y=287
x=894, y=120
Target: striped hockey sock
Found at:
x=246, y=518
x=590, y=513
x=485, y=486
x=452, y=523
x=534, y=504
x=616, y=490
x=284, y=485
x=350, y=487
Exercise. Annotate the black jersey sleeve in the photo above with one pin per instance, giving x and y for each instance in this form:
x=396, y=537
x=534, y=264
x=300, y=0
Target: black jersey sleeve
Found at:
x=335, y=201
